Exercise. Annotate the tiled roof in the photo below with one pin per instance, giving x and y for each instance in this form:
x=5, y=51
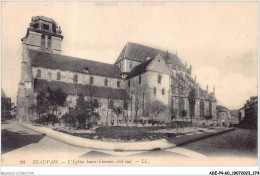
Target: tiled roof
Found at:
x=138, y=52
x=69, y=88
x=56, y=61
x=139, y=69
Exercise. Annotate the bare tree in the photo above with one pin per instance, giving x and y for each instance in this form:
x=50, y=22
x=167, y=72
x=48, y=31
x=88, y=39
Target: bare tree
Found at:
x=138, y=92
x=125, y=97
x=157, y=107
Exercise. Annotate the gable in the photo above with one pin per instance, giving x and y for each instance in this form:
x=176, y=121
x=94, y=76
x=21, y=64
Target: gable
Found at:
x=158, y=64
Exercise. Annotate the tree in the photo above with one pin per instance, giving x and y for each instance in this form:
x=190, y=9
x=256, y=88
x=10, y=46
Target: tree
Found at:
x=157, y=107
x=138, y=92
x=118, y=112
x=56, y=98
x=174, y=113
x=208, y=117
x=85, y=111
x=49, y=101
x=125, y=97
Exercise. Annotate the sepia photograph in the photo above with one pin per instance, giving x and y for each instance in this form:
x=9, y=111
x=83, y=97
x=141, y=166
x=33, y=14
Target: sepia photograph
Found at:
x=129, y=84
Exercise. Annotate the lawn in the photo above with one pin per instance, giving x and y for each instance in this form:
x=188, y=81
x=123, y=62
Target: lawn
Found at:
x=123, y=133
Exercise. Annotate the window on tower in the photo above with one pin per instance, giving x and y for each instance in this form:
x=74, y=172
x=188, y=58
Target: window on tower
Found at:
x=140, y=79
x=43, y=41
x=118, y=83
x=45, y=26
x=49, y=41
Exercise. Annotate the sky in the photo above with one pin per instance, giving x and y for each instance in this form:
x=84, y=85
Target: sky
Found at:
x=219, y=39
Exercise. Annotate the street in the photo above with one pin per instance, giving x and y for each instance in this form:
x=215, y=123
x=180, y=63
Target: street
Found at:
x=19, y=142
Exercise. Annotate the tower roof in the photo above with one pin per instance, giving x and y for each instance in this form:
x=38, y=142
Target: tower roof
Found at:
x=44, y=25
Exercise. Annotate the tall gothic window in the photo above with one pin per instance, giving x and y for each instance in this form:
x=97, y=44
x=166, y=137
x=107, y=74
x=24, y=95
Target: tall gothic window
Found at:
x=49, y=41
x=118, y=83
x=43, y=42
x=58, y=76
x=129, y=83
x=162, y=91
x=140, y=79
x=39, y=74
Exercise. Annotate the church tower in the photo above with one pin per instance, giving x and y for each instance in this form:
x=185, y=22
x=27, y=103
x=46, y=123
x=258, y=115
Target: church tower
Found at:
x=42, y=34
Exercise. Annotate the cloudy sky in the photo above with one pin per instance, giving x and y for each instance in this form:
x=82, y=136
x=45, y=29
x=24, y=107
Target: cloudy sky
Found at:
x=219, y=39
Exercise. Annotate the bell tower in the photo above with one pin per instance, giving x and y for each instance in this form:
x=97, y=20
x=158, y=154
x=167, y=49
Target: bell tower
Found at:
x=43, y=34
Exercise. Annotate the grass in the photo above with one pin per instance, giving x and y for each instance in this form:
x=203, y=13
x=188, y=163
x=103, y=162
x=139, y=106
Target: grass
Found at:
x=123, y=133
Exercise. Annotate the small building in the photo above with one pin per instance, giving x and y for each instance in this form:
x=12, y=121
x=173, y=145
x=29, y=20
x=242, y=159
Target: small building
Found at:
x=223, y=116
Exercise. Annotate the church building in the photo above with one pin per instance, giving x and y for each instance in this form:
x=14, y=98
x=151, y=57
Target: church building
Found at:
x=140, y=76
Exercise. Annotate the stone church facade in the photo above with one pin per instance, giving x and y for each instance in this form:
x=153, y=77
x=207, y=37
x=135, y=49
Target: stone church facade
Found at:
x=140, y=75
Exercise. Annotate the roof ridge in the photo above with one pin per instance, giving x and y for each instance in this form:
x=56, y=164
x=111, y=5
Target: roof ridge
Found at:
x=70, y=56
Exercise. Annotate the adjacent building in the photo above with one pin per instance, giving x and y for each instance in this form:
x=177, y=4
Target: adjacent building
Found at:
x=139, y=76
x=248, y=114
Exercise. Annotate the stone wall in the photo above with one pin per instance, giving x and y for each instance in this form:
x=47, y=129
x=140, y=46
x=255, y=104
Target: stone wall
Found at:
x=83, y=78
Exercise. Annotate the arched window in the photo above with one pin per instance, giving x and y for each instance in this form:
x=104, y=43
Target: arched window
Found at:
x=118, y=83
x=106, y=82
x=58, y=76
x=49, y=41
x=39, y=74
x=140, y=79
x=43, y=42
x=129, y=83
x=75, y=79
